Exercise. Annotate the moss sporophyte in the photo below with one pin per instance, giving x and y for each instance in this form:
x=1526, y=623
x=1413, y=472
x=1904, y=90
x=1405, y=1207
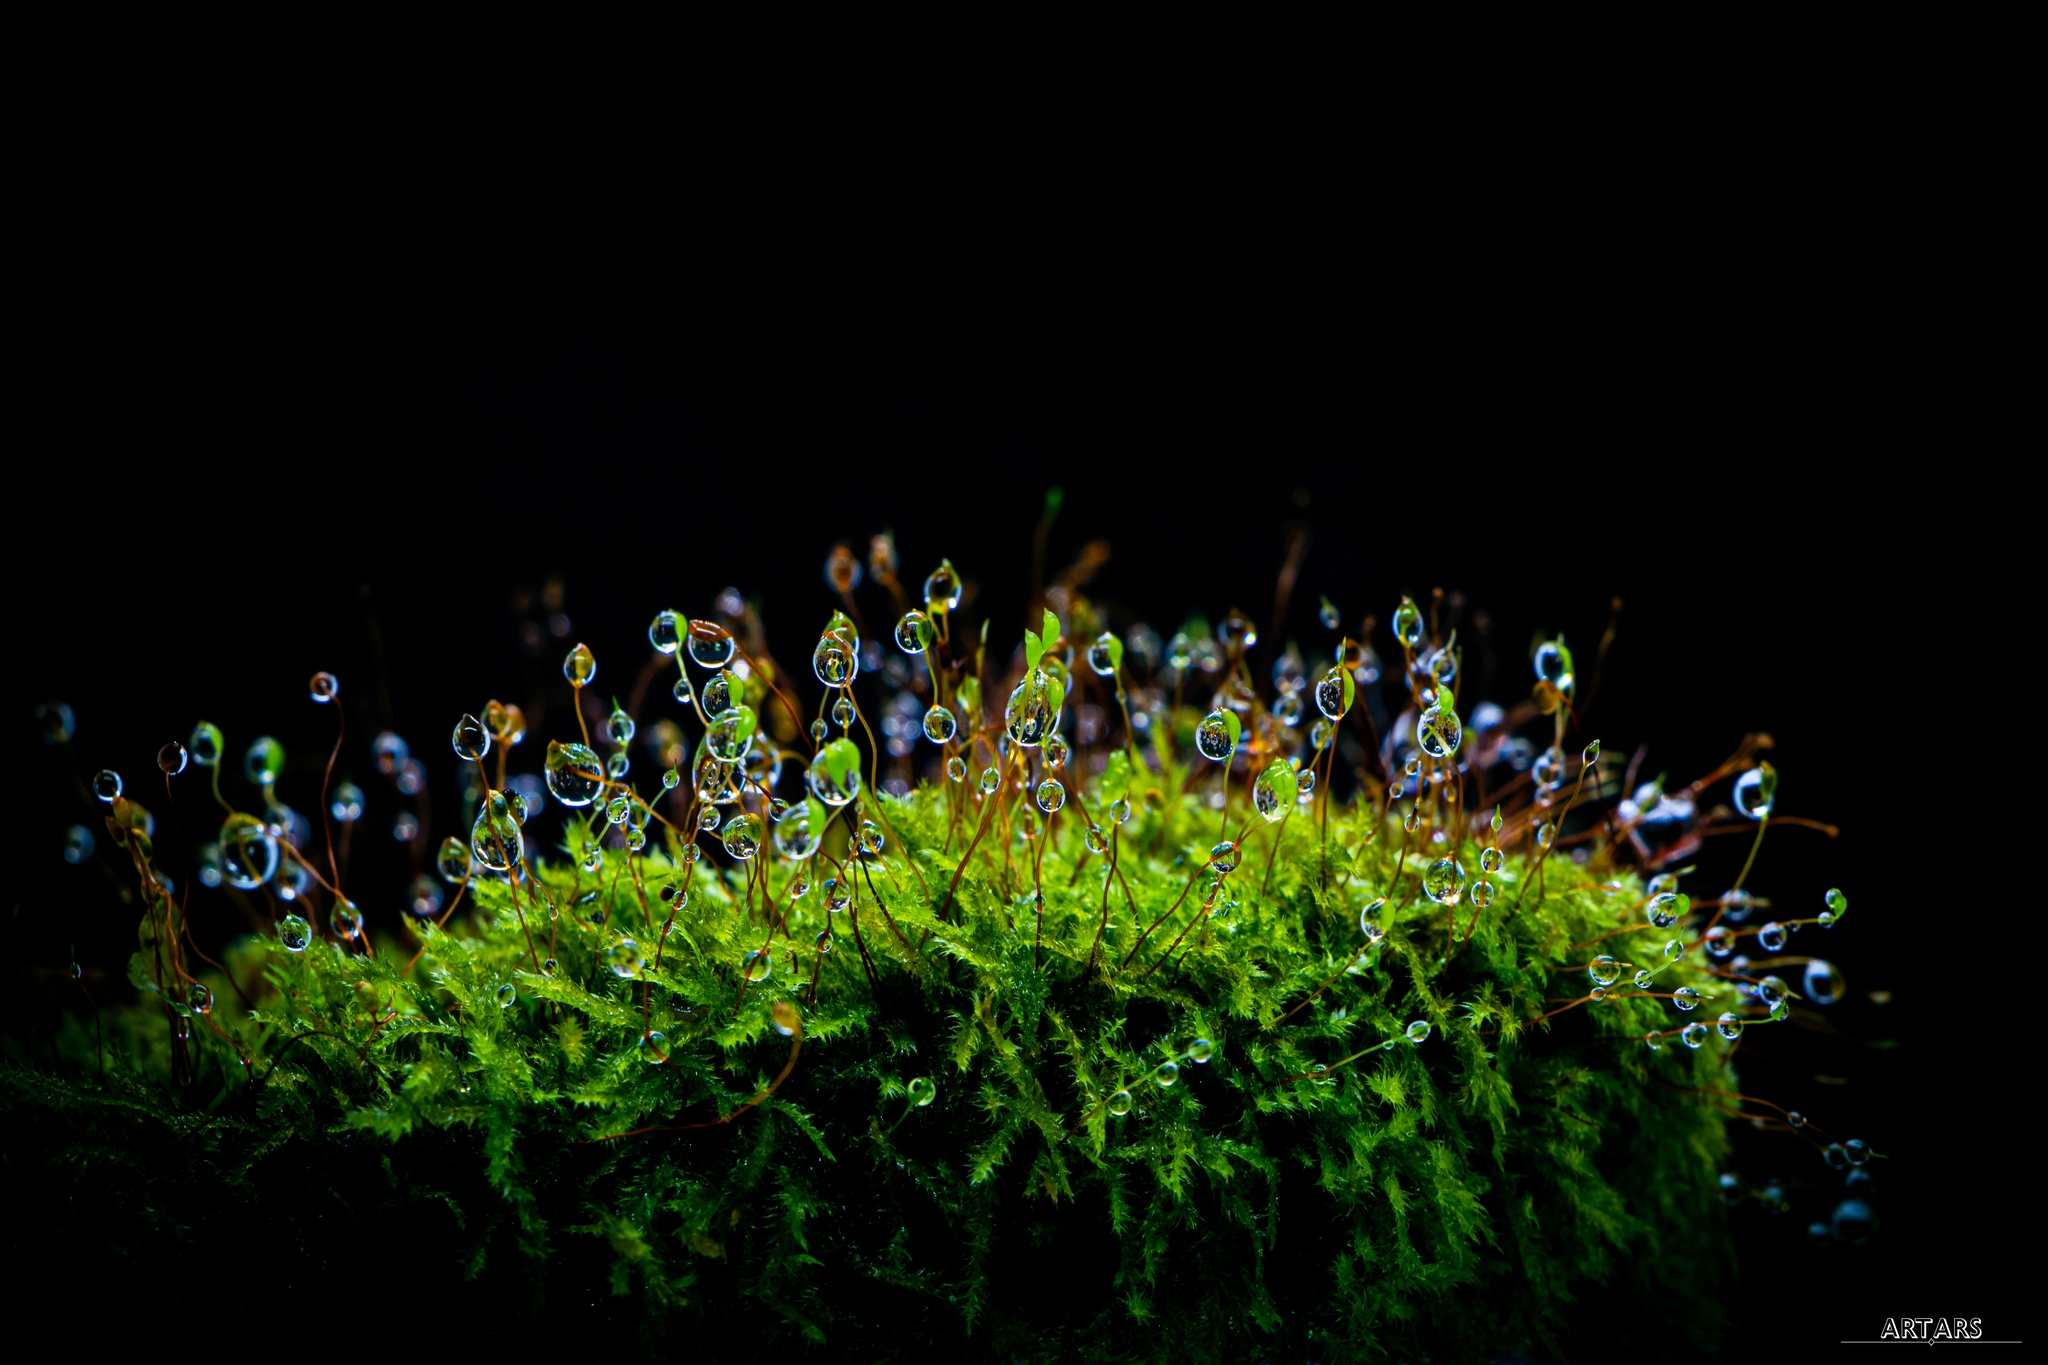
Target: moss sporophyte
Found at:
x=853, y=980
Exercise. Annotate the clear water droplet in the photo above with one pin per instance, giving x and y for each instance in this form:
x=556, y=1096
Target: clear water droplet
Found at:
x=1439, y=732
x=1729, y=1026
x=1491, y=860
x=1604, y=970
x=1823, y=984
x=347, y=919
x=1693, y=1035
x=1166, y=1074
x=494, y=840
x=1200, y=1050
x=1408, y=623
x=653, y=1048
x=106, y=785
x=1120, y=1103
x=1748, y=796
x=914, y=634
x=742, y=836
x=922, y=1091
x=294, y=933
x=756, y=965
x=956, y=768
x=1120, y=810
x=1771, y=938
x=710, y=644
x=580, y=666
x=1418, y=1032
x=625, y=958
x=1212, y=737
x=1482, y=893
x=938, y=725
x=1664, y=910
x=1097, y=842
x=470, y=739
x=171, y=758
x=1443, y=881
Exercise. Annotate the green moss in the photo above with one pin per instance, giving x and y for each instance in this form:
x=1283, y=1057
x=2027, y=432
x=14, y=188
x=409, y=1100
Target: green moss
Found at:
x=1449, y=1200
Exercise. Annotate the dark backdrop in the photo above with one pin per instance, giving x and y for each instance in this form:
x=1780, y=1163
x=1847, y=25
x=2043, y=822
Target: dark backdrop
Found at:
x=235, y=486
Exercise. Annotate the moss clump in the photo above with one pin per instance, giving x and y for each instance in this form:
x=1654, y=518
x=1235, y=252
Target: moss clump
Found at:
x=920, y=1137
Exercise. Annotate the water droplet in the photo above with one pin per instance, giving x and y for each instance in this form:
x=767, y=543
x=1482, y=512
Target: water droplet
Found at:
x=1120, y=1103
x=1673, y=950
x=1771, y=937
x=347, y=805
x=171, y=758
x=1729, y=1026
x=79, y=844
x=323, y=688
x=1166, y=1074
x=1491, y=860
x=922, y=1091
x=707, y=818
x=1200, y=1050
x=1030, y=715
x=1097, y=842
x=1408, y=623
x=653, y=1048
x=835, y=660
x=870, y=838
x=619, y=727
x=1482, y=893
x=1837, y=903
x=1212, y=737
x=1418, y=1031
x=798, y=837
x=1439, y=732
x=1737, y=906
x=1771, y=990
x=1693, y=1035
x=580, y=666
x=494, y=840
x=618, y=809
x=1719, y=941
x=942, y=587
x=294, y=933
x=1823, y=984
x=842, y=713
x=1748, y=796
x=743, y=836
x=1643, y=979
x=106, y=785
x=1120, y=810
x=1327, y=614
x=248, y=851
x=939, y=726
x=710, y=644
x=470, y=739
x=1368, y=921
x=1223, y=857
x=1443, y=881
x=990, y=780
x=1664, y=910
x=1544, y=833
x=347, y=919
x=1604, y=970
x=914, y=634
x=593, y=858
x=956, y=768
x=1852, y=1222
x=625, y=958
x=1330, y=695
x=1599, y=993
x=291, y=881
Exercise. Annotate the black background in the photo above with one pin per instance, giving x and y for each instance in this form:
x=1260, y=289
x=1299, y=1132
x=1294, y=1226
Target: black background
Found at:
x=235, y=475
